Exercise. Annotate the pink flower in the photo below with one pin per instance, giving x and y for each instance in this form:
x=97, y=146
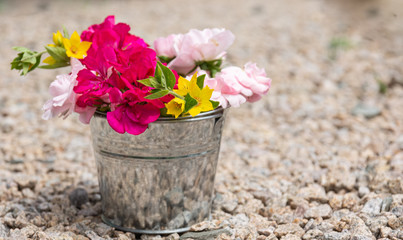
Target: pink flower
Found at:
x=168, y=46
x=258, y=82
x=63, y=97
x=196, y=46
x=234, y=86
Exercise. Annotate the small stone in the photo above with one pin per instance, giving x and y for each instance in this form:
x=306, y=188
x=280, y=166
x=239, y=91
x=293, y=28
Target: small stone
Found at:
x=314, y=192
x=92, y=235
x=239, y=220
x=29, y=231
x=38, y=221
x=313, y=234
x=396, y=223
x=350, y=200
x=344, y=235
x=103, y=230
x=398, y=211
x=290, y=237
x=45, y=206
x=205, y=235
x=173, y=236
x=123, y=237
x=359, y=229
x=266, y=231
x=373, y=206
x=386, y=204
x=205, y=225
x=325, y=226
x=289, y=228
x=322, y=211
x=395, y=185
x=362, y=191
x=384, y=232
x=365, y=110
x=78, y=197
x=4, y=230
x=375, y=224
x=24, y=182
x=16, y=234
x=230, y=206
x=336, y=201
x=272, y=237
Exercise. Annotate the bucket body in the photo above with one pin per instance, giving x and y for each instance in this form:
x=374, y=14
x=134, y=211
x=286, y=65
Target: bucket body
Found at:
x=161, y=181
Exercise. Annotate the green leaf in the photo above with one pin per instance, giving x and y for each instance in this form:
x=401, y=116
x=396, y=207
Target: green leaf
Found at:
x=56, y=65
x=25, y=68
x=58, y=53
x=28, y=58
x=158, y=94
x=159, y=75
x=200, y=81
x=212, y=66
x=169, y=76
x=65, y=33
x=21, y=49
x=215, y=104
x=165, y=59
x=150, y=82
x=189, y=103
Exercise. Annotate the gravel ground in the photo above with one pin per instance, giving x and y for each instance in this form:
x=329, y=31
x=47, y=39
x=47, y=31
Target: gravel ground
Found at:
x=321, y=157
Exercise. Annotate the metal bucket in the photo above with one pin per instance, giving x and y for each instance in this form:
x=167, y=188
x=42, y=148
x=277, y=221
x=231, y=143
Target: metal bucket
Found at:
x=161, y=181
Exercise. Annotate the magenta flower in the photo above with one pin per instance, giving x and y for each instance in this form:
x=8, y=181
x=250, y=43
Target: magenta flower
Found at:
x=115, y=61
x=128, y=115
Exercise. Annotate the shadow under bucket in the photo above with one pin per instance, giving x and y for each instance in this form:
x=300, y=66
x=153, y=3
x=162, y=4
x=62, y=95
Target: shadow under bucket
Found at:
x=161, y=181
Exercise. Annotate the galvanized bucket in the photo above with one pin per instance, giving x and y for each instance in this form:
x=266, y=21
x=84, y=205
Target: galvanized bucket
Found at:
x=161, y=181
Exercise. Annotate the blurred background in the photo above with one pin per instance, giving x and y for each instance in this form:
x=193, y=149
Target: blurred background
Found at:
x=333, y=117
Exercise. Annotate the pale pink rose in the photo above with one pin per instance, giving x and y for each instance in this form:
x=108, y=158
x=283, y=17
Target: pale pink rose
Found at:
x=258, y=82
x=234, y=86
x=63, y=97
x=200, y=45
x=168, y=46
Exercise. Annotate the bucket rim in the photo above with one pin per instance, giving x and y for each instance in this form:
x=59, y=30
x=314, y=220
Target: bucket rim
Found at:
x=218, y=112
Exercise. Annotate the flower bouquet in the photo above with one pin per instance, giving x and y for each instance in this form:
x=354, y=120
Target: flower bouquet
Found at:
x=156, y=116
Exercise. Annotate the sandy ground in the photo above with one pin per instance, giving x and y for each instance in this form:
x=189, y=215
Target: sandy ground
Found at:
x=321, y=157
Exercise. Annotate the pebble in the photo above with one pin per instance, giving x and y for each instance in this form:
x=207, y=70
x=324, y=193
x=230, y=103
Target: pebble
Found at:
x=322, y=211
x=314, y=192
x=313, y=234
x=365, y=110
x=78, y=197
x=344, y=235
x=205, y=235
x=289, y=228
x=373, y=206
x=4, y=230
x=362, y=191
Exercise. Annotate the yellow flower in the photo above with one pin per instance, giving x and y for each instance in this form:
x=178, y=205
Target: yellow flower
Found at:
x=74, y=47
x=202, y=97
x=49, y=60
x=57, y=40
x=183, y=86
x=175, y=107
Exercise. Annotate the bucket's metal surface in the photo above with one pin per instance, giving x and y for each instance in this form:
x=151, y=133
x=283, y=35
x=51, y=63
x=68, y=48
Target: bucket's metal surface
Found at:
x=161, y=181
